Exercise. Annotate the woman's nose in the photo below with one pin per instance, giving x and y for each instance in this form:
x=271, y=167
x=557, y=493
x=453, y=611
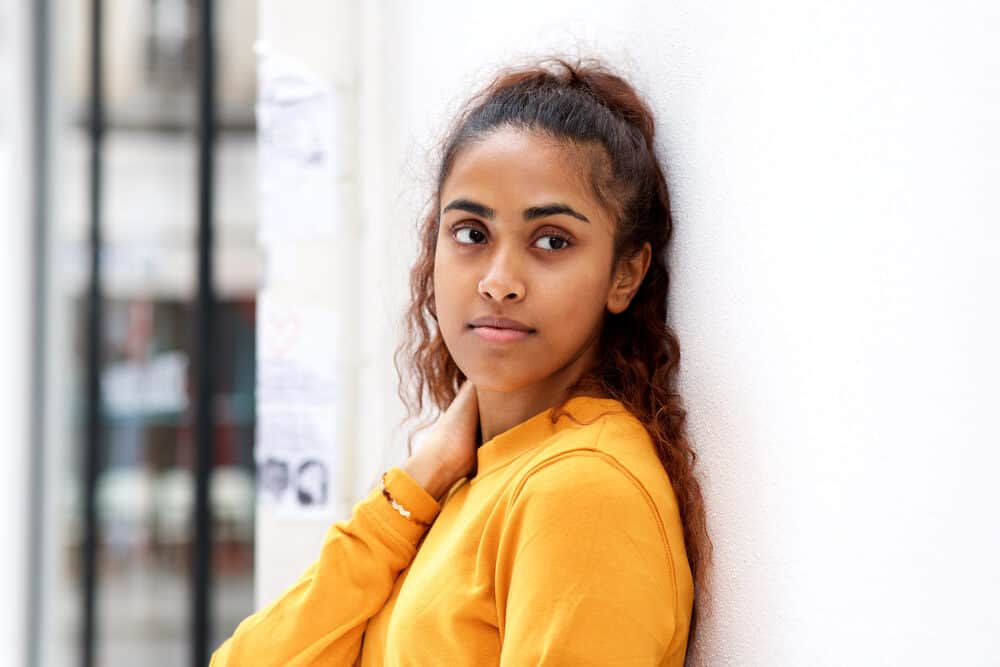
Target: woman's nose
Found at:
x=502, y=281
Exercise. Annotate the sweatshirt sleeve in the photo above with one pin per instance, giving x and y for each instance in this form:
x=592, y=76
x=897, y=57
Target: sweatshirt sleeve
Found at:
x=584, y=573
x=322, y=617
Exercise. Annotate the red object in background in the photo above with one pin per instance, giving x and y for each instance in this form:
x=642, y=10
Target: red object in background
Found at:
x=140, y=330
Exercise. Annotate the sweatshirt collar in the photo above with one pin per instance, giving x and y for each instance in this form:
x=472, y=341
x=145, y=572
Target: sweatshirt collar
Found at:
x=530, y=433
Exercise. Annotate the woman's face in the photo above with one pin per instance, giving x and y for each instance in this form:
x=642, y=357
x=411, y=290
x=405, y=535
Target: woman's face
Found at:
x=522, y=238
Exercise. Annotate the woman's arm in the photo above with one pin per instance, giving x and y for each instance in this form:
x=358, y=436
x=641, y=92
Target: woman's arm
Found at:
x=322, y=617
x=584, y=574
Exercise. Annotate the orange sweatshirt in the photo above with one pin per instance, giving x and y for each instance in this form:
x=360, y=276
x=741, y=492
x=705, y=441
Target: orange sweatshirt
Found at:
x=565, y=548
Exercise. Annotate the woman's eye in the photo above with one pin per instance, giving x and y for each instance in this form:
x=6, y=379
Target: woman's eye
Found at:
x=474, y=234
x=559, y=242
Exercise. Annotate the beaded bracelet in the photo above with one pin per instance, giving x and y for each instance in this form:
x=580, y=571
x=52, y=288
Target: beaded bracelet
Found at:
x=396, y=506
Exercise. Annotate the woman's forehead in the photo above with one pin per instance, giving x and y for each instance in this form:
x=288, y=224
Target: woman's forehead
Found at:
x=526, y=165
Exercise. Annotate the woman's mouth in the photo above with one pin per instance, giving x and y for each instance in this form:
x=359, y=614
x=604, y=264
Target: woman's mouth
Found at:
x=498, y=335
x=500, y=329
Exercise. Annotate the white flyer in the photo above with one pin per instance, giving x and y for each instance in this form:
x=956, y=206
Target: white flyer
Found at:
x=296, y=150
x=297, y=466
x=296, y=450
x=296, y=354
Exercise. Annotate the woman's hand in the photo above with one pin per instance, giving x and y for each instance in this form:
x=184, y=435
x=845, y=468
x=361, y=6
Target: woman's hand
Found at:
x=449, y=451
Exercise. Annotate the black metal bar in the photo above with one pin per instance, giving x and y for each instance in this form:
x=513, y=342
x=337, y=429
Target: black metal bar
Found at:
x=201, y=629
x=41, y=78
x=92, y=463
x=41, y=104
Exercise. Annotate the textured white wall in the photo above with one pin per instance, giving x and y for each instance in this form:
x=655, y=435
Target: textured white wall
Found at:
x=833, y=169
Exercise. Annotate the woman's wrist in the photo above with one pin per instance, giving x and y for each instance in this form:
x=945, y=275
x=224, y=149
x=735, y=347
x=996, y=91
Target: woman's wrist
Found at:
x=430, y=474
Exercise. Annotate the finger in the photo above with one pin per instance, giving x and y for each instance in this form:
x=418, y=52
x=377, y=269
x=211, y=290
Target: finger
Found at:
x=466, y=392
x=470, y=398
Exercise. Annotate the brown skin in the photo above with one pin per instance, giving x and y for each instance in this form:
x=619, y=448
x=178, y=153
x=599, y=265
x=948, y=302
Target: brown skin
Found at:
x=551, y=273
x=449, y=451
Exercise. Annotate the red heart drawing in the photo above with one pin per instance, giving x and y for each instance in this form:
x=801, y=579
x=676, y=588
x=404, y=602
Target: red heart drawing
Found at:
x=283, y=333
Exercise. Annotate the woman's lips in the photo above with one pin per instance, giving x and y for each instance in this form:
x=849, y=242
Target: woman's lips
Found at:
x=496, y=335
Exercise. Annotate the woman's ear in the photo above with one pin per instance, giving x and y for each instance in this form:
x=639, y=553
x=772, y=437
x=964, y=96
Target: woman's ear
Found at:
x=628, y=276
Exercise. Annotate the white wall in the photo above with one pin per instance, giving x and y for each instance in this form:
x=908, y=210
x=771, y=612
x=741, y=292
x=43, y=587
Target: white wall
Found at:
x=833, y=170
x=15, y=332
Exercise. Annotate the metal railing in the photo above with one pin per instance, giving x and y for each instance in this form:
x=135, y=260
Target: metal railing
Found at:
x=204, y=331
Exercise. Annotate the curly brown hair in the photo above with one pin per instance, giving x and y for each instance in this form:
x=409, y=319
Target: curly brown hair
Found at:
x=587, y=105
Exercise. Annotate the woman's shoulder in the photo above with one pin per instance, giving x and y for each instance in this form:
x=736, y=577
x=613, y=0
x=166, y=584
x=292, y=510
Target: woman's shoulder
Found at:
x=592, y=507
x=603, y=428
x=600, y=482
x=609, y=455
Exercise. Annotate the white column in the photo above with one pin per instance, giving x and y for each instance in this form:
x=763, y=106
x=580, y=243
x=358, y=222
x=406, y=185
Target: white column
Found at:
x=322, y=36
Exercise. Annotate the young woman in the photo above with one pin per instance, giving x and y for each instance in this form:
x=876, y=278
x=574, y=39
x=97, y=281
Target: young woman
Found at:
x=552, y=515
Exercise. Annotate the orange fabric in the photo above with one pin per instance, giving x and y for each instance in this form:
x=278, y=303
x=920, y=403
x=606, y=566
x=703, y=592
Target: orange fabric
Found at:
x=566, y=548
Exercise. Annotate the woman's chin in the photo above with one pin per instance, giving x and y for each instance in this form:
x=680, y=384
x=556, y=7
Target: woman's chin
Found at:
x=494, y=381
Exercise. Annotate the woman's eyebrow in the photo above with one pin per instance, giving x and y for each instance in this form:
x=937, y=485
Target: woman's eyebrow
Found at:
x=472, y=207
x=530, y=213
x=554, y=208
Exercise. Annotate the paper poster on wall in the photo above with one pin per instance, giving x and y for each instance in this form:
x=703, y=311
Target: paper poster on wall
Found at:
x=296, y=450
x=296, y=354
x=297, y=463
x=296, y=157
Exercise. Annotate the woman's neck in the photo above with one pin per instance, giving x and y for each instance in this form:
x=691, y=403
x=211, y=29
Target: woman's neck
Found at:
x=500, y=411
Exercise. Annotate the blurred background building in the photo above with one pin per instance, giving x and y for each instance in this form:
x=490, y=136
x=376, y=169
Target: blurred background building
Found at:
x=145, y=488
